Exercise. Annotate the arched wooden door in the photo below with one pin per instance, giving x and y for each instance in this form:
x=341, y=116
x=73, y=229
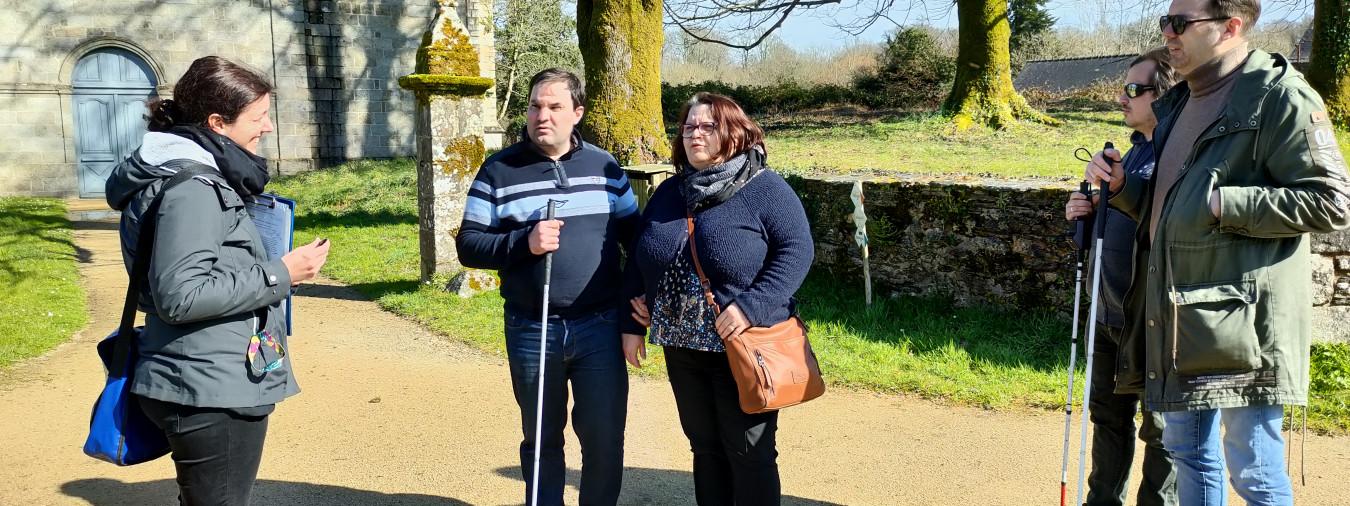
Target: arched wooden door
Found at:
x=111, y=88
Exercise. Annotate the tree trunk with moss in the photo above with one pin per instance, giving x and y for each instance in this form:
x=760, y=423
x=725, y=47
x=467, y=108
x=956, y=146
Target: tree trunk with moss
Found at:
x=983, y=93
x=621, y=43
x=1329, y=71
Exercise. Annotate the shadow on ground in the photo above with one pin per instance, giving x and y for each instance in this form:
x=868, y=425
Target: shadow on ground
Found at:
x=655, y=487
x=357, y=291
x=109, y=492
x=83, y=255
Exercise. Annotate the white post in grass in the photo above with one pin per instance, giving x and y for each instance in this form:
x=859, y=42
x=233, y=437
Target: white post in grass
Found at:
x=860, y=220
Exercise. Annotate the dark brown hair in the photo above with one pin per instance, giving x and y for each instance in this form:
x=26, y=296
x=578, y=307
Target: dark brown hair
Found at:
x=1164, y=77
x=735, y=130
x=1248, y=10
x=211, y=85
x=557, y=75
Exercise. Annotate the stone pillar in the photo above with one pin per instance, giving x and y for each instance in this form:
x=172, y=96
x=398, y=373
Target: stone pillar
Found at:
x=450, y=121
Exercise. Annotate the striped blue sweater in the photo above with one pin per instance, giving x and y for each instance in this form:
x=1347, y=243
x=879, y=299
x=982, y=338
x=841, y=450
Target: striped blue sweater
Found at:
x=599, y=211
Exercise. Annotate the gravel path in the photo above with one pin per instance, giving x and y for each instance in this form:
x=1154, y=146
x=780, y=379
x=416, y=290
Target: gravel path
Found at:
x=393, y=414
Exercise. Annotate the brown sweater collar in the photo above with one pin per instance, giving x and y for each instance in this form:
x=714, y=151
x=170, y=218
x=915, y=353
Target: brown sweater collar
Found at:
x=1217, y=73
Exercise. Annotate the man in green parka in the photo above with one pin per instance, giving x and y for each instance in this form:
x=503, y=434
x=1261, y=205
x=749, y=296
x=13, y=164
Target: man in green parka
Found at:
x=1219, y=308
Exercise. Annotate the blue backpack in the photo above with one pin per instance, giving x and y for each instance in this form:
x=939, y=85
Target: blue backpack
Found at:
x=118, y=431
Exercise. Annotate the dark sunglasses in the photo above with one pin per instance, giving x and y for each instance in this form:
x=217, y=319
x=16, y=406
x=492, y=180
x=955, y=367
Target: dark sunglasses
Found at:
x=1179, y=22
x=1133, y=90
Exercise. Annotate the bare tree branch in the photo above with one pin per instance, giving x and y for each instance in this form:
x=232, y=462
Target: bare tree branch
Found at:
x=752, y=21
x=703, y=20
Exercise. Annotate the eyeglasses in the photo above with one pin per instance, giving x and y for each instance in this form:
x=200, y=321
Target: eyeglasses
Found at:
x=707, y=128
x=1133, y=90
x=1179, y=22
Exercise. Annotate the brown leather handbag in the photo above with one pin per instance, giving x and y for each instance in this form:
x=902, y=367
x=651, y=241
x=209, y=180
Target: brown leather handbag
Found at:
x=774, y=366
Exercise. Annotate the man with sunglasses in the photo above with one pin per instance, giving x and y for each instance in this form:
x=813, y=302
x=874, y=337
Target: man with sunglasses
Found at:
x=506, y=228
x=1220, y=303
x=1113, y=428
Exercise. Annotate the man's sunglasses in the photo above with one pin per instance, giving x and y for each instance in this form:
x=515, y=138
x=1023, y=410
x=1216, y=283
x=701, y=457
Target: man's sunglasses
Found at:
x=1179, y=22
x=1133, y=90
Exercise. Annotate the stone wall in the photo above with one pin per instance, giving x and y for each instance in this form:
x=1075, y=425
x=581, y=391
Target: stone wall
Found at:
x=994, y=242
x=336, y=64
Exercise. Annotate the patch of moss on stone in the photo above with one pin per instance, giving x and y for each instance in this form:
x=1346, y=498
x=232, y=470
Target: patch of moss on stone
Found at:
x=880, y=231
x=452, y=55
x=440, y=84
x=463, y=156
x=947, y=204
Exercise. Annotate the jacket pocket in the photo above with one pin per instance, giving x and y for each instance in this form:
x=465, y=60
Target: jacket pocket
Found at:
x=1216, y=328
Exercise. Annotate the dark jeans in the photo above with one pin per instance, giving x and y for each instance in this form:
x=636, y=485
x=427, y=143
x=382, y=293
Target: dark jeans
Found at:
x=216, y=451
x=735, y=459
x=588, y=353
x=1113, y=432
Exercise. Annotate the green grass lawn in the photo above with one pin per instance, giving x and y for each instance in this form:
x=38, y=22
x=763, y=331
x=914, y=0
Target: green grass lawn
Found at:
x=921, y=144
x=921, y=346
x=42, y=301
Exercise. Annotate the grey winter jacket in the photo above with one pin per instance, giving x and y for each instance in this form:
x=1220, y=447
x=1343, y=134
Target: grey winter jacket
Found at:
x=211, y=286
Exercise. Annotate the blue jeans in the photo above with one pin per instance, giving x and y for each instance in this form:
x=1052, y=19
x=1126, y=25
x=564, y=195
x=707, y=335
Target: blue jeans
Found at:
x=588, y=352
x=1251, y=444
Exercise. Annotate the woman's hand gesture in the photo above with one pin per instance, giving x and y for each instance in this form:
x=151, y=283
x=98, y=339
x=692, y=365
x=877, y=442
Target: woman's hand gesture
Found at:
x=303, y=263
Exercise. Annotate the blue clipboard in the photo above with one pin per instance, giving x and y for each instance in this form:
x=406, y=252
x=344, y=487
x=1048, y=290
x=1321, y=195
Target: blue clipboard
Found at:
x=274, y=217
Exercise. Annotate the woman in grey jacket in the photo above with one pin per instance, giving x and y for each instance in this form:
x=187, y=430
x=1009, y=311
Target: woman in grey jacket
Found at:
x=212, y=360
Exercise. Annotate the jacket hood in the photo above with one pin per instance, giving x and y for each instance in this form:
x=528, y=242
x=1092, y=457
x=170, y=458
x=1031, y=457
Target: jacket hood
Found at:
x=145, y=166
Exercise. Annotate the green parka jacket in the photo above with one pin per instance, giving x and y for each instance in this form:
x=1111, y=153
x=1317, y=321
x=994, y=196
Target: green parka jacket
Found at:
x=1219, y=309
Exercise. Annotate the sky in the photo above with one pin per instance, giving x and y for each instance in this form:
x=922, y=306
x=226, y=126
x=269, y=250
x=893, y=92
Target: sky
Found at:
x=812, y=30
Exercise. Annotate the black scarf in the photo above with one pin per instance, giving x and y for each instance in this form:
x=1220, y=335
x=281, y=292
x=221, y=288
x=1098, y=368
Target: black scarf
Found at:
x=244, y=171
x=718, y=183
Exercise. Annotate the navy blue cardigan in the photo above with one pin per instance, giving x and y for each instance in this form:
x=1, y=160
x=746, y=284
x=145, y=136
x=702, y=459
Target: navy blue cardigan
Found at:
x=755, y=248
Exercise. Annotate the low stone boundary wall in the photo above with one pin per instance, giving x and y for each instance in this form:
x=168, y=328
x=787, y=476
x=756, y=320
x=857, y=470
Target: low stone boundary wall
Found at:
x=988, y=241
x=1002, y=243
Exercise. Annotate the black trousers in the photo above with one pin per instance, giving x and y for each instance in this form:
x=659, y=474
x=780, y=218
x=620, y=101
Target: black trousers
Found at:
x=1113, y=438
x=735, y=459
x=216, y=451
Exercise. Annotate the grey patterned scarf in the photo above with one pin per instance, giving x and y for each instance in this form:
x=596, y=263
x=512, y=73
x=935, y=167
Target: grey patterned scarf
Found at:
x=718, y=183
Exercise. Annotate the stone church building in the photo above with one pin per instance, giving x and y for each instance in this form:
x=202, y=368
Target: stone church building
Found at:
x=75, y=76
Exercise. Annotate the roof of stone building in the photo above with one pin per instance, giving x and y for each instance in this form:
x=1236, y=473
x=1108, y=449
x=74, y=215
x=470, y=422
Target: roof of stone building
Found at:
x=1303, y=50
x=1068, y=74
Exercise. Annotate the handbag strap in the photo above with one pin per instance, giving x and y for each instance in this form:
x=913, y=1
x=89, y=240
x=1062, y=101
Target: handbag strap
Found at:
x=140, y=266
x=698, y=267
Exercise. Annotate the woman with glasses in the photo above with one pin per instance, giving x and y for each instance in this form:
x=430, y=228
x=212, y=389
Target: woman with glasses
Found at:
x=752, y=244
x=211, y=359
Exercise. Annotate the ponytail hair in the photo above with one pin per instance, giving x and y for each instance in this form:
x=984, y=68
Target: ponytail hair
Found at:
x=211, y=85
x=162, y=113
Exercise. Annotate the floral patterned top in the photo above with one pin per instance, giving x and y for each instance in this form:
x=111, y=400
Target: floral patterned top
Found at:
x=681, y=314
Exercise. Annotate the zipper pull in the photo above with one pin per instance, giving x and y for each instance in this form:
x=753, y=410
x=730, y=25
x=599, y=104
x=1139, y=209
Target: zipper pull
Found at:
x=560, y=176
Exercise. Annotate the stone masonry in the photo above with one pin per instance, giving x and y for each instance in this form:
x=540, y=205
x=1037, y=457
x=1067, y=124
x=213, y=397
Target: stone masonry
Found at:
x=335, y=63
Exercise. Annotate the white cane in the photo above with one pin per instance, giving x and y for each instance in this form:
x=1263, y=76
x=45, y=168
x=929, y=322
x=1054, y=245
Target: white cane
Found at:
x=543, y=348
x=1085, y=189
x=1100, y=229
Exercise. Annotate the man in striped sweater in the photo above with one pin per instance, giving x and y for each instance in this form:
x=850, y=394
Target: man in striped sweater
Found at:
x=505, y=229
